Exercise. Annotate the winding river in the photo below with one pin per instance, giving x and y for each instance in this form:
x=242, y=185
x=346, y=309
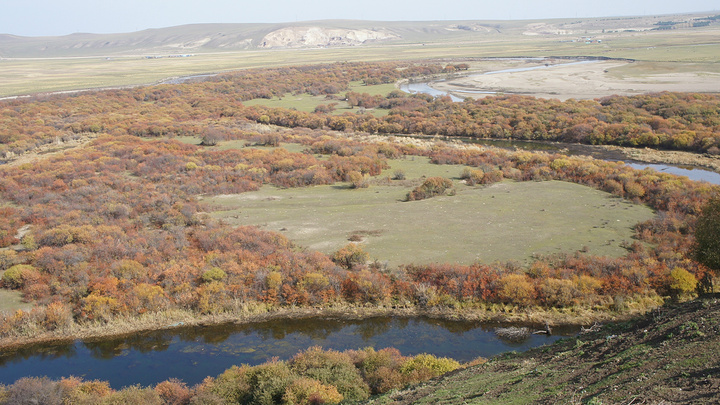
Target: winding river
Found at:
x=693, y=173
x=191, y=354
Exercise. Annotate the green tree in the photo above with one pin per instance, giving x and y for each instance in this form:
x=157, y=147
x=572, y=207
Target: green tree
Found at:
x=707, y=241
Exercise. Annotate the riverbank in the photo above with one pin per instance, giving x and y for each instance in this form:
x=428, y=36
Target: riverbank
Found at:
x=561, y=79
x=679, y=158
x=602, y=152
x=253, y=313
x=668, y=356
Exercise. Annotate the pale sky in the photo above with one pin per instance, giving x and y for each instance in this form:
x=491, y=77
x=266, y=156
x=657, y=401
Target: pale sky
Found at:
x=62, y=17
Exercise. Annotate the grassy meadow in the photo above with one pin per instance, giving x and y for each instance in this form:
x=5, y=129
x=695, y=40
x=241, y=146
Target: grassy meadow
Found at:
x=500, y=222
x=308, y=102
x=11, y=301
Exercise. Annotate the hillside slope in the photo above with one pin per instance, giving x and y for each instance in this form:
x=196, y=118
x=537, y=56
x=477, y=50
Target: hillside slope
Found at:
x=203, y=38
x=671, y=355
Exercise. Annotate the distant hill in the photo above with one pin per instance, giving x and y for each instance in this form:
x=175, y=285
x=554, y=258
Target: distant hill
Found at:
x=669, y=356
x=198, y=38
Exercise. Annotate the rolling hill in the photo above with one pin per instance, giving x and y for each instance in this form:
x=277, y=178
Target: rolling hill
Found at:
x=205, y=38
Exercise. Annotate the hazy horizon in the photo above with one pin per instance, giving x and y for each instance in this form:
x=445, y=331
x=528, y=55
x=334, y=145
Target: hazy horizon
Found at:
x=53, y=18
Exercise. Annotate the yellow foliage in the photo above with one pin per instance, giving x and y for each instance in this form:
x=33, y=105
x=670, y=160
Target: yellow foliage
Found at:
x=516, y=289
x=435, y=365
x=273, y=280
x=308, y=391
x=100, y=307
x=682, y=282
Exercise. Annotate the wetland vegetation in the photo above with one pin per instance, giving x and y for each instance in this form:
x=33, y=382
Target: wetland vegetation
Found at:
x=284, y=192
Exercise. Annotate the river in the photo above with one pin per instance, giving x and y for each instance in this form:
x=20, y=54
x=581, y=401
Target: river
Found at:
x=693, y=173
x=191, y=354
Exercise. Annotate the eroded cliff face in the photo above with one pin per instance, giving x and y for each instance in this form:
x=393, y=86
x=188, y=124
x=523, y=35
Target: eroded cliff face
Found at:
x=300, y=37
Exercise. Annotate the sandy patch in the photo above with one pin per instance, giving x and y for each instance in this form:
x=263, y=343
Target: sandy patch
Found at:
x=580, y=81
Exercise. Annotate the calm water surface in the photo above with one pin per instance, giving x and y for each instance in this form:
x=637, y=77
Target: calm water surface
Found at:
x=191, y=354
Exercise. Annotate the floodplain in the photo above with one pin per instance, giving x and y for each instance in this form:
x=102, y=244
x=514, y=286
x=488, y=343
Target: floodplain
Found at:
x=500, y=222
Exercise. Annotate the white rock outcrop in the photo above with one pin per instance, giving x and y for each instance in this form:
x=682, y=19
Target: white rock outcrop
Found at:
x=301, y=37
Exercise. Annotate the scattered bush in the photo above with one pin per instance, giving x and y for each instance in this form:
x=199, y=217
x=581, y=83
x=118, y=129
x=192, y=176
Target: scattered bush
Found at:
x=34, y=390
x=18, y=275
x=431, y=187
x=357, y=180
x=681, y=282
x=399, y=175
x=350, y=255
x=424, y=366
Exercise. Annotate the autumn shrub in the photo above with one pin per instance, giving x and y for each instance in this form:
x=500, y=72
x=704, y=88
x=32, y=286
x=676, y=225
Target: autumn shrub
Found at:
x=431, y=187
x=366, y=286
x=232, y=386
x=706, y=249
x=681, y=282
x=308, y=391
x=84, y=392
x=207, y=398
x=8, y=258
x=174, y=392
x=380, y=368
x=17, y=276
x=350, y=255
x=634, y=190
x=213, y=274
x=35, y=390
x=472, y=176
x=57, y=315
x=212, y=298
x=557, y=292
x=587, y=287
x=357, y=180
x=516, y=289
x=128, y=269
x=268, y=383
x=133, y=395
x=426, y=366
x=332, y=368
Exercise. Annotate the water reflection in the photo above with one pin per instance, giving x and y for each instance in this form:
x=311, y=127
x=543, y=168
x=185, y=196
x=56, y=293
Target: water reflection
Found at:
x=192, y=353
x=46, y=352
x=692, y=173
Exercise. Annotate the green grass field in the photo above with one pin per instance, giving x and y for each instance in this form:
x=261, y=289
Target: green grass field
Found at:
x=11, y=301
x=504, y=221
x=308, y=102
